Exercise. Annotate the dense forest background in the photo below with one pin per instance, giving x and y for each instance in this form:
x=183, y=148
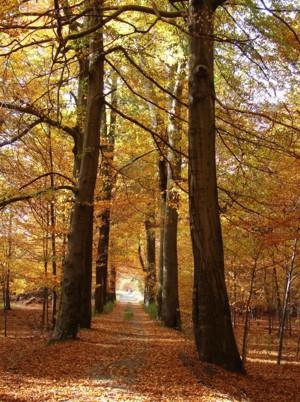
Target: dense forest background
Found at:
x=112, y=117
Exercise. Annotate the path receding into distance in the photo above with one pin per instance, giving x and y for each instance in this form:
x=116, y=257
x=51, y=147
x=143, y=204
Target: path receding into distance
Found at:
x=125, y=357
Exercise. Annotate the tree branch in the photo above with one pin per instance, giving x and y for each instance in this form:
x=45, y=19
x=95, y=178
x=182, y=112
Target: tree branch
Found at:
x=27, y=109
x=23, y=197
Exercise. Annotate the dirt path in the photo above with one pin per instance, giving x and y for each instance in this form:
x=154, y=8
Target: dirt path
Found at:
x=126, y=357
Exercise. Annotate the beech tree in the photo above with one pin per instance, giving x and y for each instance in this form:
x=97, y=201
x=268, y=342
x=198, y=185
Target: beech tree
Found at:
x=107, y=178
x=170, y=298
x=211, y=314
x=79, y=252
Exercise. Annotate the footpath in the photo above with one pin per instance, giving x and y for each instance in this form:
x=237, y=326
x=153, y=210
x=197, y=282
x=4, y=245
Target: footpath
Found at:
x=125, y=357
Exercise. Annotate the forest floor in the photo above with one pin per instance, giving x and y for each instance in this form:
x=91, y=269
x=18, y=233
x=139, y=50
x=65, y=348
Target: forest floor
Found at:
x=126, y=357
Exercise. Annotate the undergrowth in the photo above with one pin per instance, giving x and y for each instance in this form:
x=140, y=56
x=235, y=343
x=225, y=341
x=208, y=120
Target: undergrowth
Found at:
x=151, y=309
x=128, y=313
x=108, y=307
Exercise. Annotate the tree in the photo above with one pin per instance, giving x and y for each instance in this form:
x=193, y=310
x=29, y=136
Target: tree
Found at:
x=170, y=300
x=107, y=178
x=150, y=265
x=79, y=254
x=211, y=314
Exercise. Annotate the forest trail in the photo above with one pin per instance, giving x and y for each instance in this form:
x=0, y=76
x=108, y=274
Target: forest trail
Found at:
x=126, y=357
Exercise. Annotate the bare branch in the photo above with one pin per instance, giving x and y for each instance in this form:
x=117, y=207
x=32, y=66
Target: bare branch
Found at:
x=45, y=175
x=28, y=109
x=24, y=197
x=21, y=134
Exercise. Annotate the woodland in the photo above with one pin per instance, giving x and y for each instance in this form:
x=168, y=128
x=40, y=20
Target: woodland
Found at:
x=149, y=200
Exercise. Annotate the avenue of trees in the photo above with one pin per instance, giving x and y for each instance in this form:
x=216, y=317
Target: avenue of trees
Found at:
x=157, y=141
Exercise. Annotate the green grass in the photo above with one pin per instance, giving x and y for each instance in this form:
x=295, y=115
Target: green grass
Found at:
x=128, y=313
x=108, y=307
x=151, y=309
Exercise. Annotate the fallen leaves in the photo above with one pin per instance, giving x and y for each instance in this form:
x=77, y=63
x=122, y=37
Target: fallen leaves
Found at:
x=126, y=360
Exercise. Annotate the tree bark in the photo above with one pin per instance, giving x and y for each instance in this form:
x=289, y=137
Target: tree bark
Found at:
x=162, y=173
x=289, y=279
x=211, y=314
x=158, y=126
x=150, y=279
x=278, y=300
x=247, y=313
x=45, y=312
x=75, y=267
x=111, y=295
x=107, y=183
x=53, y=229
x=7, y=305
x=82, y=50
x=170, y=298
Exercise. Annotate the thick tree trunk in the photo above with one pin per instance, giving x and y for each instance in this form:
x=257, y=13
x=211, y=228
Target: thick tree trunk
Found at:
x=78, y=253
x=150, y=279
x=170, y=298
x=82, y=49
x=107, y=183
x=211, y=314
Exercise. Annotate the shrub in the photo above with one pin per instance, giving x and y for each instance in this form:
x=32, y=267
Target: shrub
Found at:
x=128, y=314
x=108, y=307
x=151, y=309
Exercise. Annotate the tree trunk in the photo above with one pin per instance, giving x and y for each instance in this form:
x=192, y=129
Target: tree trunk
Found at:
x=81, y=231
x=278, y=300
x=211, y=314
x=5, y=313
x=233, y=312
x=247, y=313
x=107, y=183
x=284, y=315
x=7, y=305
x=149, y=291
x=82, y=105
x=102, y=260
x=111, y=295
x=46, y=258
x=162, y=173
x=289, y=280
x=170, y=299
x=158, y=126
x=53, y=230
x=269, y=301
x=82, y=49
